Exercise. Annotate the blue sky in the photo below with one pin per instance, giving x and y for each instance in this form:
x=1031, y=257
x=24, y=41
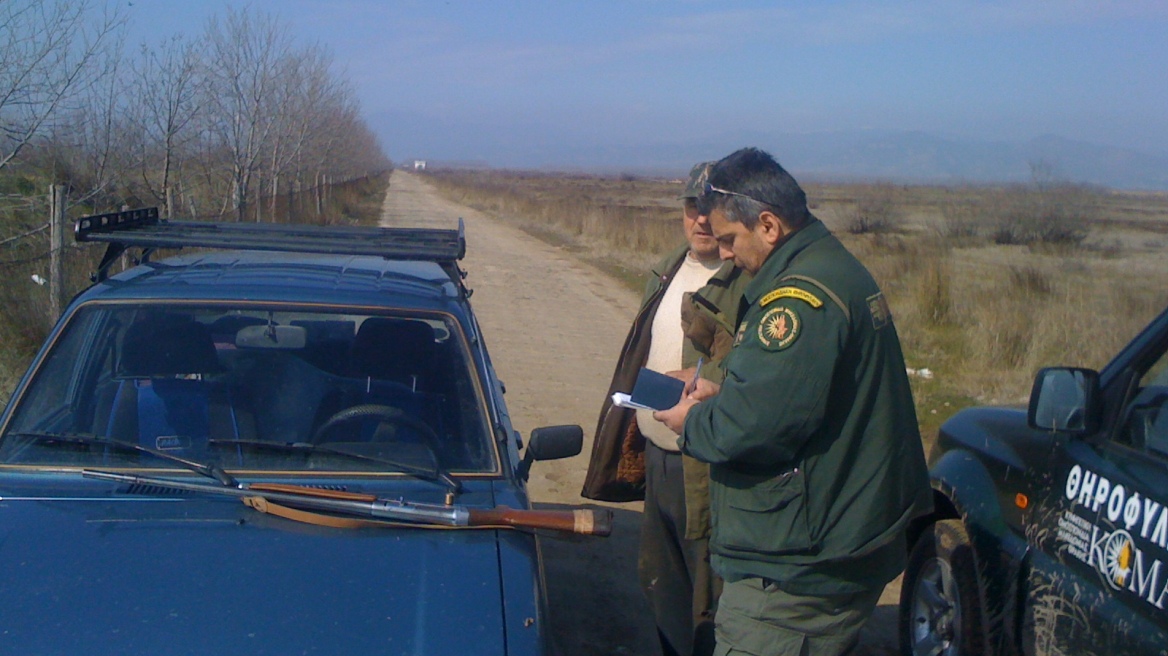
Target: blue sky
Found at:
x=517, y=82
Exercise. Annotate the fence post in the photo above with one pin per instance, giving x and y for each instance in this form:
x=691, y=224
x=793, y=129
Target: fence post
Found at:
x=57, y=227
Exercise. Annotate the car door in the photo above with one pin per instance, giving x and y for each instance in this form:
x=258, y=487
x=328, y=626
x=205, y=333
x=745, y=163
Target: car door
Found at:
x=1098, y=575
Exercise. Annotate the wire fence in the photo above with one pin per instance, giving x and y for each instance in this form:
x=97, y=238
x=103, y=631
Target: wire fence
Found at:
x=299, y=207
x=22, y=235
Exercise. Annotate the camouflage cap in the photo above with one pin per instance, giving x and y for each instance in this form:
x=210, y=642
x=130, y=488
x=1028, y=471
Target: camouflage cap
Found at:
x=697, y=180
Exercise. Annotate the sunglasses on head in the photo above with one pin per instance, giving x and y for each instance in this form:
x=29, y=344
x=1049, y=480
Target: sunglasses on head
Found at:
x=709, y=189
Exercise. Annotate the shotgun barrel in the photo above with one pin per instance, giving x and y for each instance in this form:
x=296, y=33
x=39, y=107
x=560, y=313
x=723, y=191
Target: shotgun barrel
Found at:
x=583, y=521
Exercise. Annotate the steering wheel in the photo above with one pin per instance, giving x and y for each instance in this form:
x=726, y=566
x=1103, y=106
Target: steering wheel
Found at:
x=385, y=414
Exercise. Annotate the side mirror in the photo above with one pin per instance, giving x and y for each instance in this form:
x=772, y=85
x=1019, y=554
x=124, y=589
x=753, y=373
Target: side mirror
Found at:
x=551, y=443
x=1065, y=399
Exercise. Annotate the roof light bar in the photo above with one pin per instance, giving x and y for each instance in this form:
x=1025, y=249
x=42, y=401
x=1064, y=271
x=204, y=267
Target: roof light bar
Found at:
x=142, y=228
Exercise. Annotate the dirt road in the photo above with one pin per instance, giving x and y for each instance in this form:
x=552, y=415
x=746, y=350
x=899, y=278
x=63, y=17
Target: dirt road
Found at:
x=554, y=327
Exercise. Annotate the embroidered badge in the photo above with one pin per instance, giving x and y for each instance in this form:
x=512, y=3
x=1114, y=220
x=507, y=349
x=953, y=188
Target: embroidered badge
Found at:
x=878, y=306
x=791, y=292
x=779, y=328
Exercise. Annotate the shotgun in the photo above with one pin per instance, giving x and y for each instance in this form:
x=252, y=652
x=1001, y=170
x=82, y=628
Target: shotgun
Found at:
x=584, y=521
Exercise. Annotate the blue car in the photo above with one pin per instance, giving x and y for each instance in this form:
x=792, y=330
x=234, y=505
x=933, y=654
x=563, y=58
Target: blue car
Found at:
x=296, y=447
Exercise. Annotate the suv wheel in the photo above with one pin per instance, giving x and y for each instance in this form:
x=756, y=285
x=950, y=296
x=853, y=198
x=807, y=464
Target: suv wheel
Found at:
x=940, y=611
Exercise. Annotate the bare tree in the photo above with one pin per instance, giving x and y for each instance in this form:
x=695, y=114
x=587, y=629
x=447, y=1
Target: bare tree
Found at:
x=167, y=98
x=47, y=52
x=98, y=132
x=243, y=56
x=308, y=90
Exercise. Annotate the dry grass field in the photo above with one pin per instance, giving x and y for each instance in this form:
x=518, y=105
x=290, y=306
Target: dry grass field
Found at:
x=987, y=284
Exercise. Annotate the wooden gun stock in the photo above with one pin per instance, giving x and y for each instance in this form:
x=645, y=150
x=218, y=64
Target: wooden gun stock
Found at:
x=584, y=521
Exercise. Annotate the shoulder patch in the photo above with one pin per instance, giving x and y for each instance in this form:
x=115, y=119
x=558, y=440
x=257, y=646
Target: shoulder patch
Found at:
x=779, y=328
x=791, y=292
x=881, y=314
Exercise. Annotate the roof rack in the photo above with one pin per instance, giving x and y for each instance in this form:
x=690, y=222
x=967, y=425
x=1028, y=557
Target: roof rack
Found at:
x=142, y=228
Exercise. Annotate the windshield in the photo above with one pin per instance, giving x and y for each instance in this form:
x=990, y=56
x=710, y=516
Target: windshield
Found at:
x=236, y=386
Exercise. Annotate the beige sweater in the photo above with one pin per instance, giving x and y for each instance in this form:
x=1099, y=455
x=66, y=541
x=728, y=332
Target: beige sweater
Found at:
x=666, y=339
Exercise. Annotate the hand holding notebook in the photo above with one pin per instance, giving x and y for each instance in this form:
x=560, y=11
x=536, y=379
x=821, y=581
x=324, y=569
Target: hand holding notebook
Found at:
x=651, y=391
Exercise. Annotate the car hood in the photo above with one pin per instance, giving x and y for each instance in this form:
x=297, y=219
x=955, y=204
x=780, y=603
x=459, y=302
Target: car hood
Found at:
x=209, y=576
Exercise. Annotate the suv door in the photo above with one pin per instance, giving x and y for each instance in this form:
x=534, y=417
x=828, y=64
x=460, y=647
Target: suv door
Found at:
x=1098, y=576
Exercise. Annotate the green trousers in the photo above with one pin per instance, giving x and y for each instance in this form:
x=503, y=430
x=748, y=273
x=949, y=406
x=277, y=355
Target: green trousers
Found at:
x=675, y=572
x=757, y=618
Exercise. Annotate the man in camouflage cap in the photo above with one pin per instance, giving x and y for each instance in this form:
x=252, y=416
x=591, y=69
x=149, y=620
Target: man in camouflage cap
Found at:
x=684, y=314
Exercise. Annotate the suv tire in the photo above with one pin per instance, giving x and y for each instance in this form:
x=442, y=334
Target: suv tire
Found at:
x=940, y=606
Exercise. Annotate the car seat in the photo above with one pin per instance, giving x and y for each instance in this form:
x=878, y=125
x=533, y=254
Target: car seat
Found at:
x=398, y=350
x=165, y=399
x=392, y=361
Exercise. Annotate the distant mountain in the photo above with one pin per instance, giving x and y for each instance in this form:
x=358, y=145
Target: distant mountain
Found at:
x=843, y=155
x=908, y=157
x=917, y=156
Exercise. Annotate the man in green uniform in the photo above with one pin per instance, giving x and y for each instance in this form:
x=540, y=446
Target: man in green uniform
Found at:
x=816, y=464
x=686, y=314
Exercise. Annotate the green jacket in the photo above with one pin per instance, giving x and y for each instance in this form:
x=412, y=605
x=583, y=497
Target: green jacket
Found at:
x=816, y=458
x=611, y=475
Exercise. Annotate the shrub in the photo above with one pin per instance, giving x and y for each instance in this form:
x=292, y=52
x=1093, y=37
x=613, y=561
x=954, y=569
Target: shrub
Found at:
x=1046, y=214
x=933, y=295
x=962, y=218
x=877, y=209
x=1030, y=281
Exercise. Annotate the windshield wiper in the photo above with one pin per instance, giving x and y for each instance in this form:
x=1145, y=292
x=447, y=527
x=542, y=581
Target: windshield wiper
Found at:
x=437, y=475
x=210, y=470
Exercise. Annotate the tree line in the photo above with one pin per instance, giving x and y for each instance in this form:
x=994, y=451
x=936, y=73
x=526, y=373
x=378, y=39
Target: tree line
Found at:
x=223, y=124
